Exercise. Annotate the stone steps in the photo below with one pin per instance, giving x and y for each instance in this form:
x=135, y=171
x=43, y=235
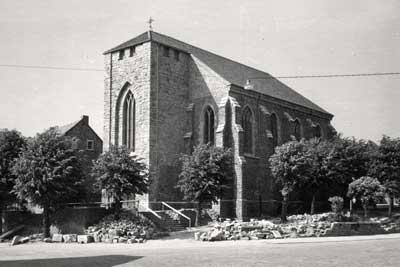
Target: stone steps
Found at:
x=166, y=222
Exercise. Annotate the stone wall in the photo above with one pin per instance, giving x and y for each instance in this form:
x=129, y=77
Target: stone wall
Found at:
x=255, y=181
x=68, y=220
x=354, y=228
x=129, y=73
x=169, y=101
x=171, y=94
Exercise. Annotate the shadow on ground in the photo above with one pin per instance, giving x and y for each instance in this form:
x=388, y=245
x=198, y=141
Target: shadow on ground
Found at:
x=98, y=261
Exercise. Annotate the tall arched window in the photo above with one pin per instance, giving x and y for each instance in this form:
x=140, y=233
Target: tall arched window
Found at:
x=274, y=129
x=318, y=133
x=128, y=126
x=296, y=129
x=209, y=122
x=247, y=123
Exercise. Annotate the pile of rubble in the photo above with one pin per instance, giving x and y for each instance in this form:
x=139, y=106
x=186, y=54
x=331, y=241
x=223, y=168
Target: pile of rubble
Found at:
x=128, y=229
x=297, y=226
x=391, y=225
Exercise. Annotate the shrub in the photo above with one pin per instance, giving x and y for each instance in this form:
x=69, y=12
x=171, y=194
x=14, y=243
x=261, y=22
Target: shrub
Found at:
x=368, y=190
x=336, y=204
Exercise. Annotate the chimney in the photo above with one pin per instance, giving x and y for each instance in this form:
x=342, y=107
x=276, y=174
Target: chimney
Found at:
x=85, y=119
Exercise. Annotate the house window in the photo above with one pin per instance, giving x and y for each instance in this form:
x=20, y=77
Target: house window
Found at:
x=247, y=124
x=176, y=55
x=132, y=51
x=128, y=126
x=296, y=129
x=121, y=54
x=90, y=145
x=209, y=121
x=166, y=51
x=75, y=143
x=318, y=133
x=274, y=129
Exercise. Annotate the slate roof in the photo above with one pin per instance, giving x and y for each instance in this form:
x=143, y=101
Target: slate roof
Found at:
x=234, y=72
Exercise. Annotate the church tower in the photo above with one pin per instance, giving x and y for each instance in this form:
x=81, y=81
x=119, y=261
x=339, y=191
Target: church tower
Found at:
x=146, y=102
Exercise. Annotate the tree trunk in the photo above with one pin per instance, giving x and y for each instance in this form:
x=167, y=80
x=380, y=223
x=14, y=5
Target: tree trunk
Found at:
x=117, y=208
x=1, y=218
x=312, y=204
x=197, y=222
x=391, y=204
x=284, y=207
x=46, y=221
x=365, y=207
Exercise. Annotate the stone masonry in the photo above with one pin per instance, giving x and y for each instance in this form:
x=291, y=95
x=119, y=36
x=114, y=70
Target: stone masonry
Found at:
x=173, y=83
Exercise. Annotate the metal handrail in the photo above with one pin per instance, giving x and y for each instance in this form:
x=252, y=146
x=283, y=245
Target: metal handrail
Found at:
x=180, y=213
x=153, y=212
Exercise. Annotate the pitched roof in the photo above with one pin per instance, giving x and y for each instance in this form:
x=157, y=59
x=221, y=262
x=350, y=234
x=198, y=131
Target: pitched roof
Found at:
x=65, y=128
x=234, y=72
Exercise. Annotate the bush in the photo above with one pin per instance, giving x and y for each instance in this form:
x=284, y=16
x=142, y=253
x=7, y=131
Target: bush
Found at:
x=368, y=190
x=336, y=204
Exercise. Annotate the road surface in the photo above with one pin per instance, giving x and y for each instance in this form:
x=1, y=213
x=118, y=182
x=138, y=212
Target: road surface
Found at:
x=326, y=252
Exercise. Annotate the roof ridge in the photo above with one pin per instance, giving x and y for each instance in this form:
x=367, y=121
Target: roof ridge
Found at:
x=213, y=53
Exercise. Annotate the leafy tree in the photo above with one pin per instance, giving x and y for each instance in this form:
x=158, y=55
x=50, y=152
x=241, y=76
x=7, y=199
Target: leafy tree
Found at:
x=349, y=159
x=368, y=190
x=205, y=175
x=386, y=167
x=48, y=173
x=290, y=165
x=11, y=144
x=316, y=152
x=121, y=175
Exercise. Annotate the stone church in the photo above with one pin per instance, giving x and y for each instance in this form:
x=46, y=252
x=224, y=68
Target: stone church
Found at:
x=164, y=96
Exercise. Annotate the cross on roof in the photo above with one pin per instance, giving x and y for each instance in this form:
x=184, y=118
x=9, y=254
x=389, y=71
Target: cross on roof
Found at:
x=150, y=21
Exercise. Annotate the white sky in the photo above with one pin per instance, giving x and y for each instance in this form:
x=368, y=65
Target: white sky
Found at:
x=280, y=37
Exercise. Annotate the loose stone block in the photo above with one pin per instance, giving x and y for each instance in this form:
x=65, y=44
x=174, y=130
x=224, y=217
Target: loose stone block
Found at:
x=122, y=240
x=57, y=238
x=84, y=239
x=276, y=234
x=70, y=238
x=25, y=240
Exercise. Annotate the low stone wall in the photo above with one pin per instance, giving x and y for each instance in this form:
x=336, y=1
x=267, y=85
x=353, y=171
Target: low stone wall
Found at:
x=354, y=228
x=76, y=220
x=66, y=221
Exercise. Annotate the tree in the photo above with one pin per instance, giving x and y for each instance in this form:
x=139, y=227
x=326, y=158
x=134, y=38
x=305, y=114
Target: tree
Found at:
x=290, y=166
x=48, y=173
x=11, y=144
x=349, y=159
x=316, y=151
x=121, y=175
x=386, y=167
x=205, y=175
x=368, y=190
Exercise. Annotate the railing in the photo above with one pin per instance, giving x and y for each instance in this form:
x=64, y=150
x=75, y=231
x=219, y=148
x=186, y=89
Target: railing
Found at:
x=178, y=212
x=154, y=213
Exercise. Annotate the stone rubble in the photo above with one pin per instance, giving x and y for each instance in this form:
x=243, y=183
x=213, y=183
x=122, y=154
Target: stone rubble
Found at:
x=390, y=225
x=128, y=229
x=303, y=225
